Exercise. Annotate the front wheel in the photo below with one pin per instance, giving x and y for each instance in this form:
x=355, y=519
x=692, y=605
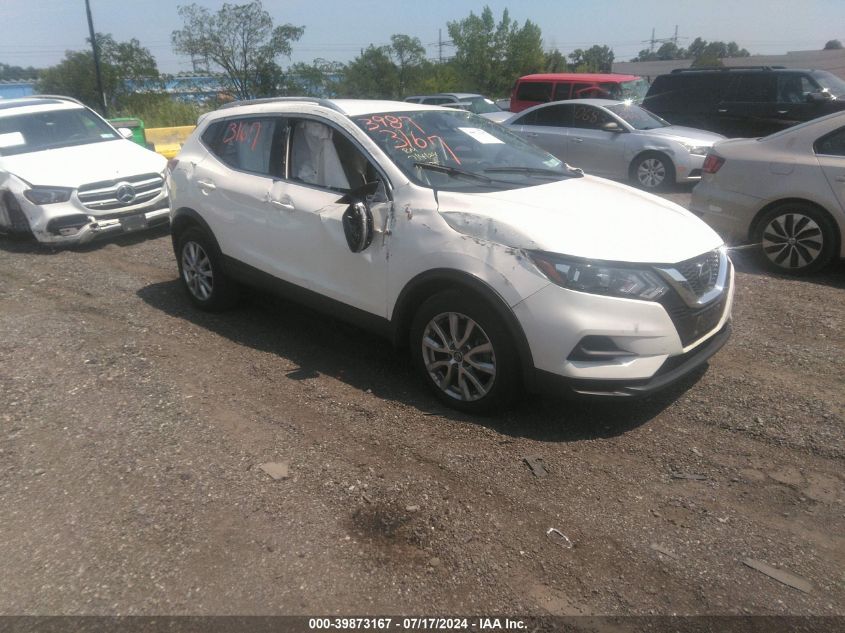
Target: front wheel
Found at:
x=201, y=272
x=465, y=353
x=796, y=238
x=653, y=171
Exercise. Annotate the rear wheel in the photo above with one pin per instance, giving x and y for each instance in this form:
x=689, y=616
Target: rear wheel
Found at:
x=465, y=353
x=796, y=238
x=201, y=272
x=652, y=171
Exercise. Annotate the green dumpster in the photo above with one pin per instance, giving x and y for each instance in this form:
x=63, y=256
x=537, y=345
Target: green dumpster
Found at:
x=134, y=124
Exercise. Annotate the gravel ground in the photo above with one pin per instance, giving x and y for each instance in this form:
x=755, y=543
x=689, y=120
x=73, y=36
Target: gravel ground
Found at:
x=132, y=428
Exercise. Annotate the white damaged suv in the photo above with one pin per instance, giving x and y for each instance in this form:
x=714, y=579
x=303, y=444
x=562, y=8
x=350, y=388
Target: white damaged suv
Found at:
x=499, y=266
x=67, y=176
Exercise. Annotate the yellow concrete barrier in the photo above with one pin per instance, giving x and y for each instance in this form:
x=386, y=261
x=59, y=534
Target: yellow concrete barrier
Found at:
x=167, y=141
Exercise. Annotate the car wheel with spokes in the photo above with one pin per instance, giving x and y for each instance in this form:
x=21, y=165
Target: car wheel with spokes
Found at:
x=652, y=171
x=465, y=353
x=796, y=238
x=201, y=272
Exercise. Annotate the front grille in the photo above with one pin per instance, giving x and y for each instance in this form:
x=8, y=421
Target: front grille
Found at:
x=103, y=196
x=700, y=272
x=693, y=323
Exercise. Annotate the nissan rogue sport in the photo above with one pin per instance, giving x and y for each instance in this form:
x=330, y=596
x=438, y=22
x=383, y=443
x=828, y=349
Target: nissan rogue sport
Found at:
x=498, y=265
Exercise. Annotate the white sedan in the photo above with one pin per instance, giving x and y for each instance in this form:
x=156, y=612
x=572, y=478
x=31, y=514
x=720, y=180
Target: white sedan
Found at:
x=616, y=139
x=785, y=191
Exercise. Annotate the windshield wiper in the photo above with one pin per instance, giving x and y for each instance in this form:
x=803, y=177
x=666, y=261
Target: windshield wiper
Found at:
x=536, y=171
x=452, y=171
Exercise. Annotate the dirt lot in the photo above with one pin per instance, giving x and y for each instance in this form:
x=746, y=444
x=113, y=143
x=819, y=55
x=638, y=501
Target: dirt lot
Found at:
x=133, y=428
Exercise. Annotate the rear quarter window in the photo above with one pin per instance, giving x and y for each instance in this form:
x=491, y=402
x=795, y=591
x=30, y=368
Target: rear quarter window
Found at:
x=832, y=144
x=253, y=144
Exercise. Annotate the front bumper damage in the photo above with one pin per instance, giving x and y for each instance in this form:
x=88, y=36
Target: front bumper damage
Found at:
x=94, y=227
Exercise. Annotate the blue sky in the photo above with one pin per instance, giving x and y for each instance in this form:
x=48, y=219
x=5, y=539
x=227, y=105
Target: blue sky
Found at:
x=38, y=32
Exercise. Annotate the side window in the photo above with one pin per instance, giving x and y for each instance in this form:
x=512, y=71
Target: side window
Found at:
x=247, y=144
x=562, y=91
x=582, y=91
x=324, y=157
x=832, y=144
x=794, y=88
x=589, y=117
x=752, y=88
x=553, y=116
x=534, y=91
x=437, y=100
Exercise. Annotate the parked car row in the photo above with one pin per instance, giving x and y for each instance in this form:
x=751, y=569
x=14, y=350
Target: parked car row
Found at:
x=473, y=244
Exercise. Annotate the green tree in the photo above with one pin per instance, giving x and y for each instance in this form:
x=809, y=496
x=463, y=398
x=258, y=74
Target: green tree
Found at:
x=409, y=55
x=555, y=62
x=596, y=59
x=321, y=78
x=489, y=56
x=15, y=73
x=122, y=64
x=371, y=75
x=241, y=40
x=832, y=45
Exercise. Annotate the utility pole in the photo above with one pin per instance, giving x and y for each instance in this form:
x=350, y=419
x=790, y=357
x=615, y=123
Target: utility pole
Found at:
x=650, y=48
x=96, y=60
x=675, y=39
x=440, y=44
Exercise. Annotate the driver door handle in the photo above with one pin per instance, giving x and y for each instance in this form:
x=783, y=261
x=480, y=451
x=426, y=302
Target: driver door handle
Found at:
x=285, y=204
x=206, y=185
x=577, y=139
x=783, y=111
x=721, y=110
x=840, y=179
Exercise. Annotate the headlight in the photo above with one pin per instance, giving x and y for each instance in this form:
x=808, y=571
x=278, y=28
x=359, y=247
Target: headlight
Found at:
x=699, y=150
x=48, y=195
x=600, y=278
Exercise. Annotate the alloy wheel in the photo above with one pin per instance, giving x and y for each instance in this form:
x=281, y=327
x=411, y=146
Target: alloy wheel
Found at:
x=459, y=356
x=792, y=240
x=651, y=173
x=196, y=271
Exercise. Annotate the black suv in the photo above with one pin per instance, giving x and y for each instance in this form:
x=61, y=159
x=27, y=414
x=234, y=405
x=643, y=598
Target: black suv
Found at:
x=748, y=101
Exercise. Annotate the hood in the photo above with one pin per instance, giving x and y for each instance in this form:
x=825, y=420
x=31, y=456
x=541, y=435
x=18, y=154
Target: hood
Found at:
x=80, y=164
x=684, y=134
x=585, y=217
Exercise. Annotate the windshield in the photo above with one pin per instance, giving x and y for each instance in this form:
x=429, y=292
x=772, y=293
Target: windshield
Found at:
x=38, y=131
x=459, y=151
x=637, y=117
x=634, y=90
x=480, y=105
x=830, y=83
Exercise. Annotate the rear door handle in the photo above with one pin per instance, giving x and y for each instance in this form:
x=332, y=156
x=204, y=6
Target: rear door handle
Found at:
x=286, y=204
x=840, y=179
x=533, y=135
x=783, y=111
x=576, y=139
x=721, y=110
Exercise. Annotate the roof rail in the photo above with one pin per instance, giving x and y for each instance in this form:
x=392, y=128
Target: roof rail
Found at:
x=724, y=68
x=323, y=102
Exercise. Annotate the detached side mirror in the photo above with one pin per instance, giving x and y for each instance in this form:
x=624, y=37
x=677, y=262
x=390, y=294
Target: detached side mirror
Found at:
x=125, y=132
x=358, y=226
x=612, y=126
x=358, y=219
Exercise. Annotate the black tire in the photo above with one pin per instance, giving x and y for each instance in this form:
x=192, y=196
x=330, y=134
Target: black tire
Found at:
x=796, y=238
x=18, y=224
x=652, y=171
x=459, y=374
x=201, y=271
